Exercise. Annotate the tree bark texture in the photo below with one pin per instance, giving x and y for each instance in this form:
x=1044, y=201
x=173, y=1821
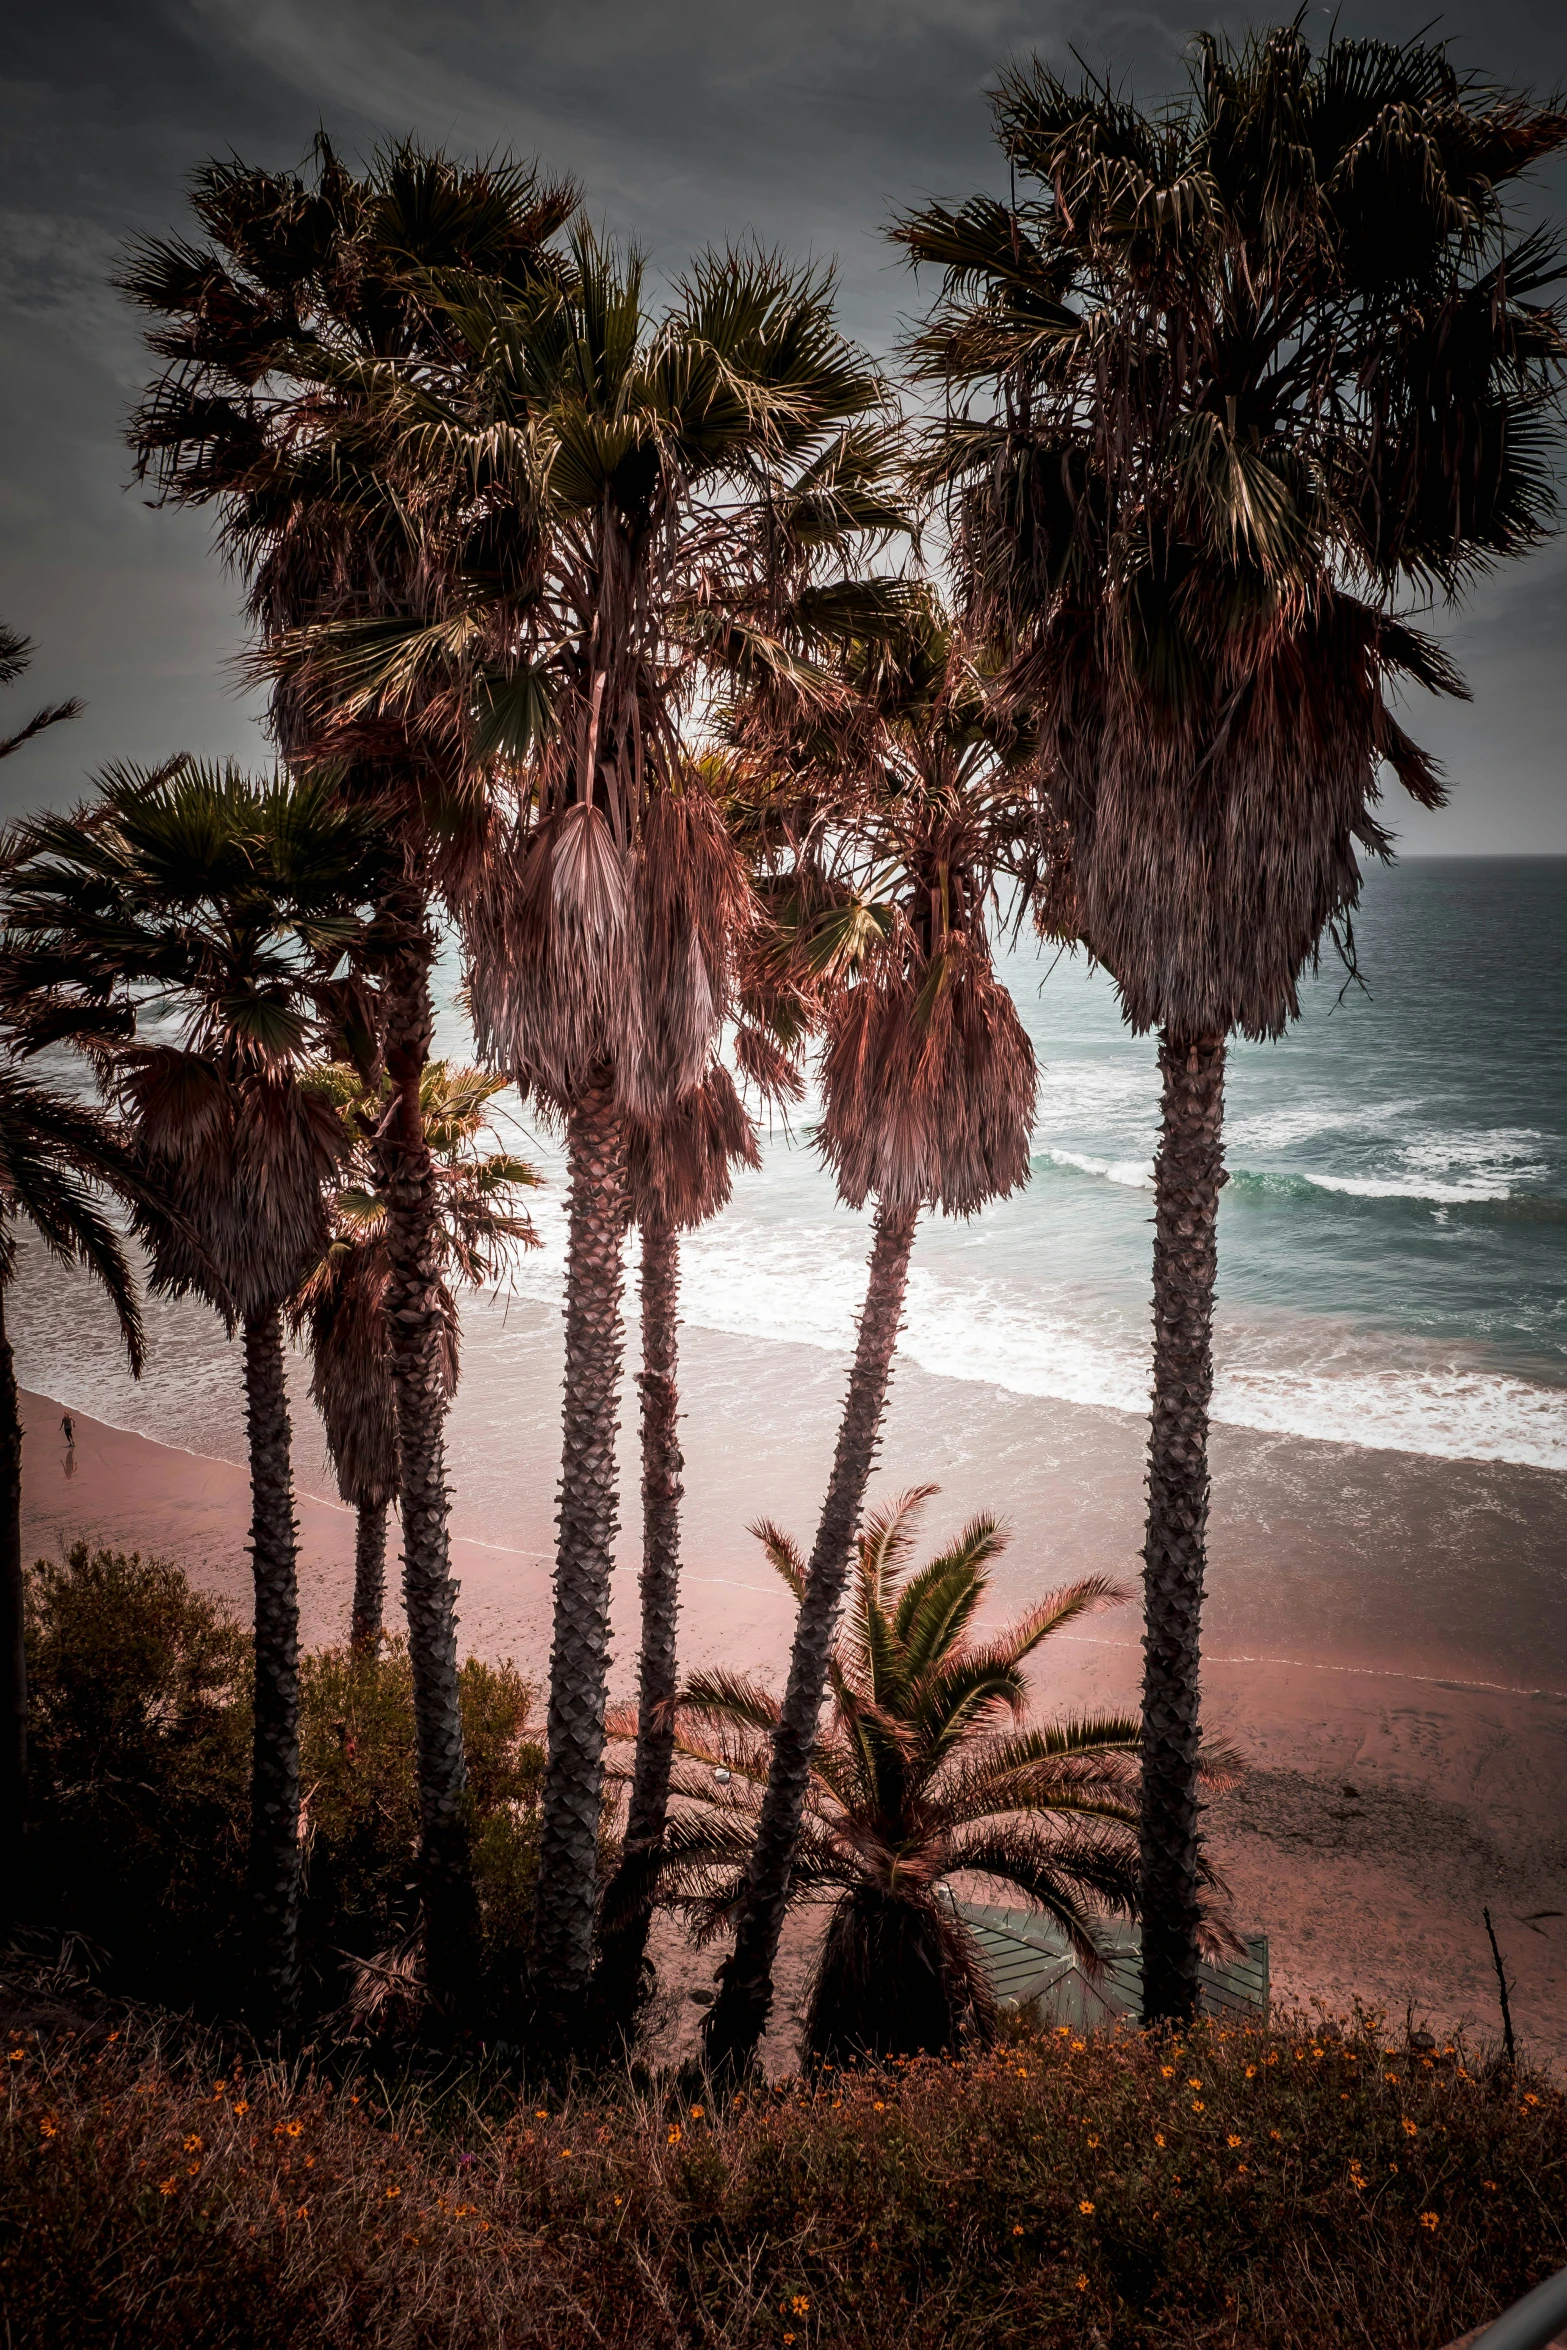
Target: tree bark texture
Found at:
x=738, y=2017
x=274, y=1780
x=620, y=1967
x=574, y=1774
x=414, y=1314
x=1188, y=1176
x=13, y=1647
x=369, y=1575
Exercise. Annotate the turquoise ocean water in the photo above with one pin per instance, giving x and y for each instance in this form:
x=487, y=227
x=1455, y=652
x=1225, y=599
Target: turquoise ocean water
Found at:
x=1393, y=1237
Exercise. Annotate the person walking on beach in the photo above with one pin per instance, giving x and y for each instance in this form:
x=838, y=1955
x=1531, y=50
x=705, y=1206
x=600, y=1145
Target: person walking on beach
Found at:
x=68, y=1431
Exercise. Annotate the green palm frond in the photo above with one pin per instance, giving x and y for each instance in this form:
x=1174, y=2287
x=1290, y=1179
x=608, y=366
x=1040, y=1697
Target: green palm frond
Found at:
x=912, y=1780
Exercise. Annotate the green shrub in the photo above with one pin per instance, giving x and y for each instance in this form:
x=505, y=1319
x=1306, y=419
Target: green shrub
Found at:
x=139, y=1731
x=361, y=1808
x=139, y=1693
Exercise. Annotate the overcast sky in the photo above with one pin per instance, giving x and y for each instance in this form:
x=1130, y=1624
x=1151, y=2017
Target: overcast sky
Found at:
x=805, y=122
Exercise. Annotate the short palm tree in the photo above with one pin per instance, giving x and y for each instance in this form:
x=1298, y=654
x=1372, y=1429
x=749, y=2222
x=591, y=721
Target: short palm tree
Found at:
x=342, y=1308
x=923, y=1771
x=57, y=1160
x=195, y=892
x=928, y=1087
x=680, y=1172
x=273, y=326
x=1226, y=383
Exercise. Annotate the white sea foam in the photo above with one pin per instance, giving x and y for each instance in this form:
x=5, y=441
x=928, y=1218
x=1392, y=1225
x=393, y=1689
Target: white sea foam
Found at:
x=1136, y=1174
x=1403, y=1187
x=806, y=1285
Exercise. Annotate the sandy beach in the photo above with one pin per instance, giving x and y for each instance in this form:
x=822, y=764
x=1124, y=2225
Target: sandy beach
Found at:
x=1390, y=1796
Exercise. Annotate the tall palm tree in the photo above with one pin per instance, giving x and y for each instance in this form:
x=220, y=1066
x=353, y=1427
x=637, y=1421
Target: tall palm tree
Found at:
x=342, y=1307
x=57, y=1158
x=600, y=934
x=275, y=326
x=923, y=1770
x=196, y=893
x=680, y=1172
x=1222, y=386
x=928, y=1088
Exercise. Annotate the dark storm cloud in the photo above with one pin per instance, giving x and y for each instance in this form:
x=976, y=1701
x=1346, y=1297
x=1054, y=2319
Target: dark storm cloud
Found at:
x=685, y=120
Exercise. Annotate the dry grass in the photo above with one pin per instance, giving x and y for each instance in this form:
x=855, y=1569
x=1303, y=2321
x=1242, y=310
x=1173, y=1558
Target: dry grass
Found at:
x=1320, y=2187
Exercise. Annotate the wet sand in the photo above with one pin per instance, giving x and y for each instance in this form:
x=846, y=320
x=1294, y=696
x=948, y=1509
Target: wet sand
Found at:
x=1385, y=1637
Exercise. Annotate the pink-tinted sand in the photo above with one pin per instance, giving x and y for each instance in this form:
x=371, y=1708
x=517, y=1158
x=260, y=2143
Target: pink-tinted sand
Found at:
x=1382, y=1810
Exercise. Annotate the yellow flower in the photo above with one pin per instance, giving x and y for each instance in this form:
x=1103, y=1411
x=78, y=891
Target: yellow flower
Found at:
x=1017, y=2231
x=1489, y=2185
x=1082, y=2284
x=696, y=2113
x=800, y=2305
x=243, y=2107
x=302, y=2211
x=17, y=2055
x=48, y=2127
x=1411, y=2129
x=565, y=2152
x=1081, y=2044
x=1193, y=2082
x=1167, y=2071
x=1274, y=2134
x=541, y=2117
x=674, y=2134
x=1158, y=2137
x=1087, y=2210
x=881, y=2105
x=1251, y=2072
x=1197, y=2105
x=1093, y=2141
x=193, y=2145
x=1428, y=2219
x=392, y=2194
x=168, y=2187
x=1232, y=2140
x=296, y=2129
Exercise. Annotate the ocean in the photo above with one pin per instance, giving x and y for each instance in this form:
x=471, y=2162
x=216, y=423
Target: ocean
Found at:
x=1391, y=1333
x=1393, y=1236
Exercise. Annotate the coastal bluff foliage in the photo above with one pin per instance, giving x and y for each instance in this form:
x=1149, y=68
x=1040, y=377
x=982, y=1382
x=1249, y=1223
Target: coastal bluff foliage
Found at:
x=140, y=1706
x=1315, y=2185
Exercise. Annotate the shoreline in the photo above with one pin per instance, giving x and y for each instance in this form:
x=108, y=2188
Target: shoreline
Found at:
x=1383, y=1806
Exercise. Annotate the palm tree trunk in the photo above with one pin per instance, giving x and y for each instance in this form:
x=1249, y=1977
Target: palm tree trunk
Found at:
x=414, y=1318
x=619, y=1978
x=274, y=1779
x=573, y=1779
x=13, y=1646
x=738, y=2016
x=369, y=1575
x=1187, y=1179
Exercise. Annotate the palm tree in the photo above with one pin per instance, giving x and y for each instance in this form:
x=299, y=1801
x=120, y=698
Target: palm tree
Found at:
x=1229, y=381
x=275, y=327
x=56, y=1158
x=680, y=1172
x=601, y=931
x=928, y=1086
x=922, y=1771
x=194, y=892
x=342, y=1307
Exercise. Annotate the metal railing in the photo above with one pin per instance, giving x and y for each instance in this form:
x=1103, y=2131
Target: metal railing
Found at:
x=1531, y=2324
